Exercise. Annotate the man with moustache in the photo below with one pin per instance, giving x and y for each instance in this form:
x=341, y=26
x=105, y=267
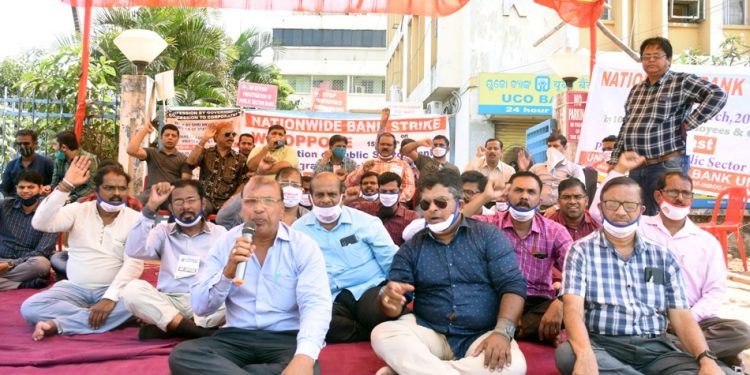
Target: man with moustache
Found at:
x=394, y=215
x=620, y=292
x=540, y=245
x=98, y=268
x=467, y=289
x=67, y=148
x=246, y=144
x=573, y=215
x=223, y=170
x=165, y=164
x=366, y=192
x=274, y=156
x=24, y=251
x=386, y=161
x=439, y=148
x=277, y=318
x=182, y=248
x=556, y=169
x=491, y=164
x=358, y=253
x=27, y=160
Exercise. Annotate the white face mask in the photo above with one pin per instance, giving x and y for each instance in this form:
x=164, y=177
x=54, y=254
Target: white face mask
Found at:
x=109, y=207
x=305, y=200
x=292, y=196
x=674, y=212
x=189, y=224
x=387, y=157
x=501, y=206
x=388, y=199
x=370, y=198
x=444, y=225
x=439, y=152
x=327, y=215
x=607, y=155
x=620, y=231
x=520, y=214
x=554, y=157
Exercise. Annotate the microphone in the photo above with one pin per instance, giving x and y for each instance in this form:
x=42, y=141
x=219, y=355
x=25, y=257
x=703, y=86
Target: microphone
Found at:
x=239, y=275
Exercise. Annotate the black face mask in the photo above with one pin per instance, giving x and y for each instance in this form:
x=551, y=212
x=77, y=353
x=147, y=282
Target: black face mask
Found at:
x=25, y=150
x=29, y=201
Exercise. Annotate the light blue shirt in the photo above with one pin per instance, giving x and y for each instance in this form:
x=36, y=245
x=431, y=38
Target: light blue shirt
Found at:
x=286, y=293
x=358, y=250
x=167, y=242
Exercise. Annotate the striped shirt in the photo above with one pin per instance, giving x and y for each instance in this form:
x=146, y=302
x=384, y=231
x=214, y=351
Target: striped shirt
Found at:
x=624, y=296
x=655, y=113
x=18, y=239
x=543, y=247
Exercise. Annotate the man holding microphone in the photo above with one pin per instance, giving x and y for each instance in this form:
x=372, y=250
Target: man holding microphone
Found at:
x=281, y=308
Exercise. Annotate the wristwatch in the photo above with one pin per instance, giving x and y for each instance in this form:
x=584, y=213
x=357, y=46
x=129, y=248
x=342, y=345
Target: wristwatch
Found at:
x=706, y=353
x=506, y=328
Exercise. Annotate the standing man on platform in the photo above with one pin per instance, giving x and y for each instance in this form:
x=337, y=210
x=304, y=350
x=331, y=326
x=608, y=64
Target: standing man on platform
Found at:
x=659, y=113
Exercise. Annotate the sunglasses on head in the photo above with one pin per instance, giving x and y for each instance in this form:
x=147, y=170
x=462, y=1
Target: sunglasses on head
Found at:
x=227, y=134
x=440, y=203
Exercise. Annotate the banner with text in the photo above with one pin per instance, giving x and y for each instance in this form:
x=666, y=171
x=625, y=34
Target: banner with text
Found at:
x=324, y=100
x=511, y=94
x=308, y=132
x=193, y=121
x=714, y=148
x=256, y=95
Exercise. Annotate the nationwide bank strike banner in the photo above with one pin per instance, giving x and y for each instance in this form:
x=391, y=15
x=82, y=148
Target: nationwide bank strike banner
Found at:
x=308, y=132
x=718, y=149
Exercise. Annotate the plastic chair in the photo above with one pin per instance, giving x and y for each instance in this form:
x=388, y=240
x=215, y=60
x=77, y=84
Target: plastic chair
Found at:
x=736, y=203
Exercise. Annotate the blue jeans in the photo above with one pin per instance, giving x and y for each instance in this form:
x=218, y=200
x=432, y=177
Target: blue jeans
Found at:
x=649, y=175
x=67, y=305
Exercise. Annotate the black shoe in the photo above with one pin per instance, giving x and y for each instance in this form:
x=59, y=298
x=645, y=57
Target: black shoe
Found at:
x=37, y=283
x=188, y=329
x=150, y=332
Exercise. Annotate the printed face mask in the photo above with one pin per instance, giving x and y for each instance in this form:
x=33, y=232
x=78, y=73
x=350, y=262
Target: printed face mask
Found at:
x=292, y=196
x=674, y=212
x=620, y=231
x=520, y=214
x=327, y=215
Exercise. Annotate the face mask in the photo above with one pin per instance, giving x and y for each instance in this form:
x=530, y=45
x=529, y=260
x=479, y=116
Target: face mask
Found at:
x=554, y=157
x=620, y=231
x=305, y=200
x=674, y=212
x=191, y=223
x=370, y=198
x=607, y=155
x=109, y=207
x=25, y=150
x=339, y=152
x=292, y=196
x=59, y=155
x=501, y=206
x=327, y=215
x=444, y=225
x=520, y=214
x=389, y=157
x=439, y=152
x=28, y=201
x=388, y=199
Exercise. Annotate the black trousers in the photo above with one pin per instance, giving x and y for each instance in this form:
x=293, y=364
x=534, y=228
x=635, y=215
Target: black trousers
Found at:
x=533, y=311
x=236, y=350
x=353, y=320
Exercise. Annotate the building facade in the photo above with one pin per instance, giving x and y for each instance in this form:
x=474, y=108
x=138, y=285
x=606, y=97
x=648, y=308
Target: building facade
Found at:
x=337, y=52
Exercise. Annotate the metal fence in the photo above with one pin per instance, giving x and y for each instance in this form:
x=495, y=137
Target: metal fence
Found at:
x=48, y=116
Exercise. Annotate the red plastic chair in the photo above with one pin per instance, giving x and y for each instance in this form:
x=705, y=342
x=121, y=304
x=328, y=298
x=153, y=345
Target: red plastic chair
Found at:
x=736, y=203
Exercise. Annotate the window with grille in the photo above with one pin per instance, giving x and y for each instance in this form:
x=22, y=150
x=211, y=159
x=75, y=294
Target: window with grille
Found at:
x=367, y=85
x=735, y=12
x=329, y=38
x=687, y=10
x=330, y=82
x=300, y=84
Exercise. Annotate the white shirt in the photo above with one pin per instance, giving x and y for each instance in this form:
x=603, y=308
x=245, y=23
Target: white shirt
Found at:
x=551, y=179
x=97, y=252
x=501, y=172
x=701, y=260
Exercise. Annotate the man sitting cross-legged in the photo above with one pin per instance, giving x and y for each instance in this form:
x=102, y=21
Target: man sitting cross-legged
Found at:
x=182, y=247
x=24, y=251
x=98, y=269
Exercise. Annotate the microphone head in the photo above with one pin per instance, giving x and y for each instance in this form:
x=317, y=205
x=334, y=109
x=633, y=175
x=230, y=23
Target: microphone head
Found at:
x=249, y=228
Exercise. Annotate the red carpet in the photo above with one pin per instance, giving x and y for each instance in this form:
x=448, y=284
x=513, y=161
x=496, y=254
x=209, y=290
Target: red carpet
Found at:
x=119, y=352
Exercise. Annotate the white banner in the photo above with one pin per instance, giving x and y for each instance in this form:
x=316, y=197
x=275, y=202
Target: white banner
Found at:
x=715, y=148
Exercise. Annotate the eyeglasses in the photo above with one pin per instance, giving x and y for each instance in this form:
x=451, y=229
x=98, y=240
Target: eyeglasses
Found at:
x=265, y=201
x=228, y=134
x=111, y=188
x=652, y=56
x=184, y=202
x=673, y=193
x=576, y=197
x=615, y=205
x=440, y=203
x=290, y=183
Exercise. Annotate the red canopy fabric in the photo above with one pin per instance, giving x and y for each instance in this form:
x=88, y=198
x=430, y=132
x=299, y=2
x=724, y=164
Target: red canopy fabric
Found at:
x=431, y=8
x=581, y=13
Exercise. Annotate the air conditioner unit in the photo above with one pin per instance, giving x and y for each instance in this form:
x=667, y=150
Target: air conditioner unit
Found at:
x=435, y=108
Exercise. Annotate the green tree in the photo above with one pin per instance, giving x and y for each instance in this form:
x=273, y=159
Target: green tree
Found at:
x=734, y=52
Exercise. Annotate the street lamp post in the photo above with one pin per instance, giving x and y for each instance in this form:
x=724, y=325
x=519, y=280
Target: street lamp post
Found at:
x=569, y=64
x=141, y=47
